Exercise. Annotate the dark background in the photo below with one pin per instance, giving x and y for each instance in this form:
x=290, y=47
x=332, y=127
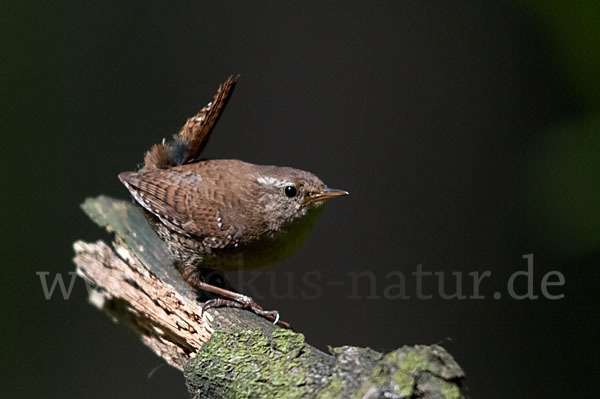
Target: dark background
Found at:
x=466, y=132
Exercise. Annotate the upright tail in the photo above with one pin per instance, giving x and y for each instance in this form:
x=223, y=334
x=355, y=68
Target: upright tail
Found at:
x=188, y=144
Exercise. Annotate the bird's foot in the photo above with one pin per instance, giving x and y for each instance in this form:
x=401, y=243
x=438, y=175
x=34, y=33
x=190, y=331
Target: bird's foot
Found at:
x=247, y=303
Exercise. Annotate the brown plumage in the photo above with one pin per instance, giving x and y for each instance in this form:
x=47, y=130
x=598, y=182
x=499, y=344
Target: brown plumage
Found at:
x=193, y=136
x=223, y=214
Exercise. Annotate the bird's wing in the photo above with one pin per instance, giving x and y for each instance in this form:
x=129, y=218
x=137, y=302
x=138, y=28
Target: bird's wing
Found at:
x=193, y=136
x=170, y=197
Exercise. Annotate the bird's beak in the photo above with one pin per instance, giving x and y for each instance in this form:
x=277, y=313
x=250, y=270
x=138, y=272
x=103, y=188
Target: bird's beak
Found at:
x=324, y=194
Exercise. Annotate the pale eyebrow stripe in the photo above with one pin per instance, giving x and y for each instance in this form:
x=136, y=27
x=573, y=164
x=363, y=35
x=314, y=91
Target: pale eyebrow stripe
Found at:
x=270, y=181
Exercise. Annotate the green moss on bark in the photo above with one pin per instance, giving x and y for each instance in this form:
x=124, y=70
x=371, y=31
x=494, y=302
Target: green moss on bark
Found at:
x=428, y=371
x=250, y=364
x=333, y=390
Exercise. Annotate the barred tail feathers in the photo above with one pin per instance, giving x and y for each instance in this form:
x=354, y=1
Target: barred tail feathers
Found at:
x=188, y=144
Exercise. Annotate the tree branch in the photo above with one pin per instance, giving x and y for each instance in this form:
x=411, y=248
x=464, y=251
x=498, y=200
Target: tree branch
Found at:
x=230, y=352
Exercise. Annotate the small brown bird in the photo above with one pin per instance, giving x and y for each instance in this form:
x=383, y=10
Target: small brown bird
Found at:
x=224, y=214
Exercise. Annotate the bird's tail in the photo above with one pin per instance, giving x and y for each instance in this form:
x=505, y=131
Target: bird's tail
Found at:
x=187, y=145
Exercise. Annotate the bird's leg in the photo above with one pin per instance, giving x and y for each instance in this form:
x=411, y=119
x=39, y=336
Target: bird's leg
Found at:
x=236, y=300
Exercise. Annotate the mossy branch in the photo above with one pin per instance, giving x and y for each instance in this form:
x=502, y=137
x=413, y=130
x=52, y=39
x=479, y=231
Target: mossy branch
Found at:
x=231, y=353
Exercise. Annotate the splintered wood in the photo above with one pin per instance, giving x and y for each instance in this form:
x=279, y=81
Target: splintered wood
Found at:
x=166, y=321
x=135, y=283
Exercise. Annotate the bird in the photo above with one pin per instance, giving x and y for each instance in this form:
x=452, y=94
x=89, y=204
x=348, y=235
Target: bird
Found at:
x=224, y=214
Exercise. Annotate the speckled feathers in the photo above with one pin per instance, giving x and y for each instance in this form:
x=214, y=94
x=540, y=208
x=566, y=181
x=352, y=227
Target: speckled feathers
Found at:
x=212, y=212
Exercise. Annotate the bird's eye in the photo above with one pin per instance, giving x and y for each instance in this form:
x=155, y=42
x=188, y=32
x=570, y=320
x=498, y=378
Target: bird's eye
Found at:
x=290, y=191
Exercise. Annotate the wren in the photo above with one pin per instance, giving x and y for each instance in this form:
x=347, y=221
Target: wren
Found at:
x=223, y=214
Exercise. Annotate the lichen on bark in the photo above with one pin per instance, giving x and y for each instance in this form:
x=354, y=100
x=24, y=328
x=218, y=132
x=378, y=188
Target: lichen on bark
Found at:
x=250, y=364
x=415, y=371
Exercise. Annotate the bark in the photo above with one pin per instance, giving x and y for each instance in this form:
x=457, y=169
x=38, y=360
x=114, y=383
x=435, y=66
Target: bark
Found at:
x=231, y=353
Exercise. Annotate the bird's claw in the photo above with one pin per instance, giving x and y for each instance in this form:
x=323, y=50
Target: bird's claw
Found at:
x=248, y=304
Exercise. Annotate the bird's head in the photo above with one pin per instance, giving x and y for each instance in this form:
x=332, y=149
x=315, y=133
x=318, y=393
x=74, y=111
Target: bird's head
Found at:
x=286, y=194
